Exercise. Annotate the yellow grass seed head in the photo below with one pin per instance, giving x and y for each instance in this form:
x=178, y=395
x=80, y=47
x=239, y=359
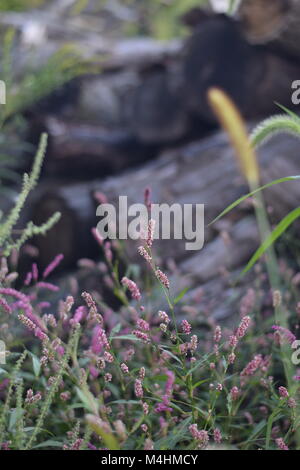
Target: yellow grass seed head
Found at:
x=232, y=122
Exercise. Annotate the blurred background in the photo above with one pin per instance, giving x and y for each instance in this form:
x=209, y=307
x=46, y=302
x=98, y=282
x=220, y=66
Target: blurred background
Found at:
x=120, y=87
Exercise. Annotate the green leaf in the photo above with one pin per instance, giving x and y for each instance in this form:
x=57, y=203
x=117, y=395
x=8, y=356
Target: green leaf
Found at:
x=129, y=337
x=258, y=428
x=36, y=364
x=273, y=417
x=116, y=329
x=49, y=443
x=181, y=295
x=243, y=198
x=88, y=400
x=15, y=416
x=288, y=111
x=270, y=240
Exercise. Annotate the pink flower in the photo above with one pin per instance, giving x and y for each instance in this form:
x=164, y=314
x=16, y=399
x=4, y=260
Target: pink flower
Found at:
x=65, y=396
x=285, y=333
x=147, y=198
x=162, y=278
x=148, y=445
x=28, y=278
x=200, y=436
x=162, y=407
x=231, y=358
x=78, y=316
x=283, y=392
x=150, y=235
x=142, y=373
x=217, y=436
x=186, y=327
x=31, y=397
x=194, y=343
x=218, y=334
x=35, y=272
x=281, y=444
x=233, y=341
x=164, y=316
x=144, y=253
x=124, y=368
x=169, y=384
x=142, y=325
x=48, y=286
x=132, y=287
x=138, y=388
x=108, y=357
x=99, y=340
x=93, y=312
x=14, y=293
x=145, y=408
x=5, y=306
x=292, y=403
x=253, y=365
x=243, y=327
x=53, y=265
x=142, y=336
x=234, y=393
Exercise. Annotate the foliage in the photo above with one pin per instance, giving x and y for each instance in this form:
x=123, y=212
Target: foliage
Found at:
x=19, y=5
x=142, y=379
x=7, y=224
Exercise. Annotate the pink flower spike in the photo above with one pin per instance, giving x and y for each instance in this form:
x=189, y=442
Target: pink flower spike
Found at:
x=35, y=272
x=14, y=293
x=286, y=334
x=252, y=367
x=53, y=265
x=5, y=306
x=217, y=436
x=48, y=286
x=142, y=325
x=218, y=334
x=162, y=278
x=243, y=327
x=283, y=392
x=186, y=327
x=147, y=198
x=132, y=287
x=28, y=278
x=142, y=336
x=151, y=230
x=138, y=388
x=281, y=444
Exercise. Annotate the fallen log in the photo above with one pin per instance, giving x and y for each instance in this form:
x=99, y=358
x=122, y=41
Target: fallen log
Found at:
x=217, y=54
x=82, y=150
x=275, y=23
x=203, y=172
